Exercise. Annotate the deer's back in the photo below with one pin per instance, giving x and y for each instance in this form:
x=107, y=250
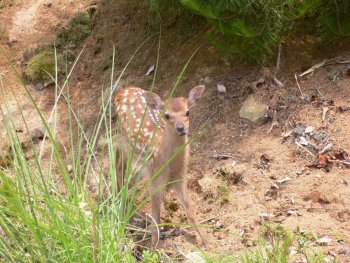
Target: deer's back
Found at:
x=141, y=126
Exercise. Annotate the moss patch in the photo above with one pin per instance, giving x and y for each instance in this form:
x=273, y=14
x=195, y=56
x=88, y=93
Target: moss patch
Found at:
x=78, y=28
x=41, y=66
x=229, y=175
x=224, y=193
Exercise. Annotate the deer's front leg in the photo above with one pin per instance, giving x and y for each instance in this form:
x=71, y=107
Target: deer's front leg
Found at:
x=120, y=170
x=155, y=231
x=181, y=191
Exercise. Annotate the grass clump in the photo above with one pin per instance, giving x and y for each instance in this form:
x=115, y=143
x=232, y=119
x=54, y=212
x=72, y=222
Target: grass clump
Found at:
x=78, y=29
x=42, y=66
x=46, y=219
x=5, y=161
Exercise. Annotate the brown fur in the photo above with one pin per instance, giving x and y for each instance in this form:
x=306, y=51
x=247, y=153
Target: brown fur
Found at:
x=167, y=143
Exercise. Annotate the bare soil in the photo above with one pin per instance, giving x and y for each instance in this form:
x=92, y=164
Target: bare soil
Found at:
x=233, y=192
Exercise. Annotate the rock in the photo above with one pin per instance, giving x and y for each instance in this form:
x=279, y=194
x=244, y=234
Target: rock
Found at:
x=344, y=250
x=218, y=224
x=221, y=88
x=39, y=85
x=37, y=135
x=298, y=130
x=323, y=240
x=194, y=257
x=254, y=110
x=48, y=4
x=309, y=129
x=319, y=136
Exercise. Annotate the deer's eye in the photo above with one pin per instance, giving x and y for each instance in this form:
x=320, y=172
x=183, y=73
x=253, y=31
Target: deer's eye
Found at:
x=167, y=116
x=187, y=113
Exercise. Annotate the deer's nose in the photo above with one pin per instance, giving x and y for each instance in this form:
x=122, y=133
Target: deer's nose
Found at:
x=180, y=127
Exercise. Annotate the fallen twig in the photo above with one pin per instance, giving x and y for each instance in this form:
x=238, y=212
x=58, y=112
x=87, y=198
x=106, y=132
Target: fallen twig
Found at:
x=316, y=66
x=274, y=122
x=319, y=93
x=344, y=62
x=306, y=149
x=296, y=79
x=219, y=157
x=339, y=161
x=278, y=82
x=324, y=113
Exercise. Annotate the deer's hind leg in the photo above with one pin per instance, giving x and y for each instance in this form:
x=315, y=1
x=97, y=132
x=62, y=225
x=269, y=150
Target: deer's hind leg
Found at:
x=120, y=168
x=180, y=188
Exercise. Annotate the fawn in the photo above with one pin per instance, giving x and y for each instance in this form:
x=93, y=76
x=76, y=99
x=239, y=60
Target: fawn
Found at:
x=161, y=133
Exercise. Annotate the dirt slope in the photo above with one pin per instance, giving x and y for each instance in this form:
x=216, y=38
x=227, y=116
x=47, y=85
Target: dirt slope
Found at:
x=319, y=200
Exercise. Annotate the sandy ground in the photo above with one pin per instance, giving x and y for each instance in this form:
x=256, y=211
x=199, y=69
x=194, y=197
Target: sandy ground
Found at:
x=227, y=193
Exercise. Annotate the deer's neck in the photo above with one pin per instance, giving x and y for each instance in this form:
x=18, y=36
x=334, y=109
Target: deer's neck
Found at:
x=172, y=142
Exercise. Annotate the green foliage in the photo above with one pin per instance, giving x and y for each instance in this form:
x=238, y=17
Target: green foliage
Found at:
x=149, y=257
x=252, y=29
x=46, y=219
x=78, y=28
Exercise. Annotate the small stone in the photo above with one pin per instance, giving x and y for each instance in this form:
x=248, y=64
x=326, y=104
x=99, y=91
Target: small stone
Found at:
x=40, y=85
x=344, y=250
x=37, y=135
x=323, y=240
x=319, y=136
x=298, y=131
x=292, y=213
x=221, y=88
x=218, y=224
x=309, y=129
x=303, y=141
x=266, y=215
x=150, y=71
x=292, y=251
x=69, y=168
x=254, y=110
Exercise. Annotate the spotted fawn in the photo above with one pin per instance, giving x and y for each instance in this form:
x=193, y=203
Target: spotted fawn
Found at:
x=157, y=130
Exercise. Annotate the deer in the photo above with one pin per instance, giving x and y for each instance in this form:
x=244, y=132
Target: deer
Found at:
x=159, y=130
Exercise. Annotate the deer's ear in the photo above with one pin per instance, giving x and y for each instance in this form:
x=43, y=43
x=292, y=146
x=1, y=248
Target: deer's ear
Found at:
x=154, y=101
x=195, y=95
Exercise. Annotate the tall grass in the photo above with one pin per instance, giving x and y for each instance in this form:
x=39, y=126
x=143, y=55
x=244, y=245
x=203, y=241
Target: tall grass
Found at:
x=43, y=219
